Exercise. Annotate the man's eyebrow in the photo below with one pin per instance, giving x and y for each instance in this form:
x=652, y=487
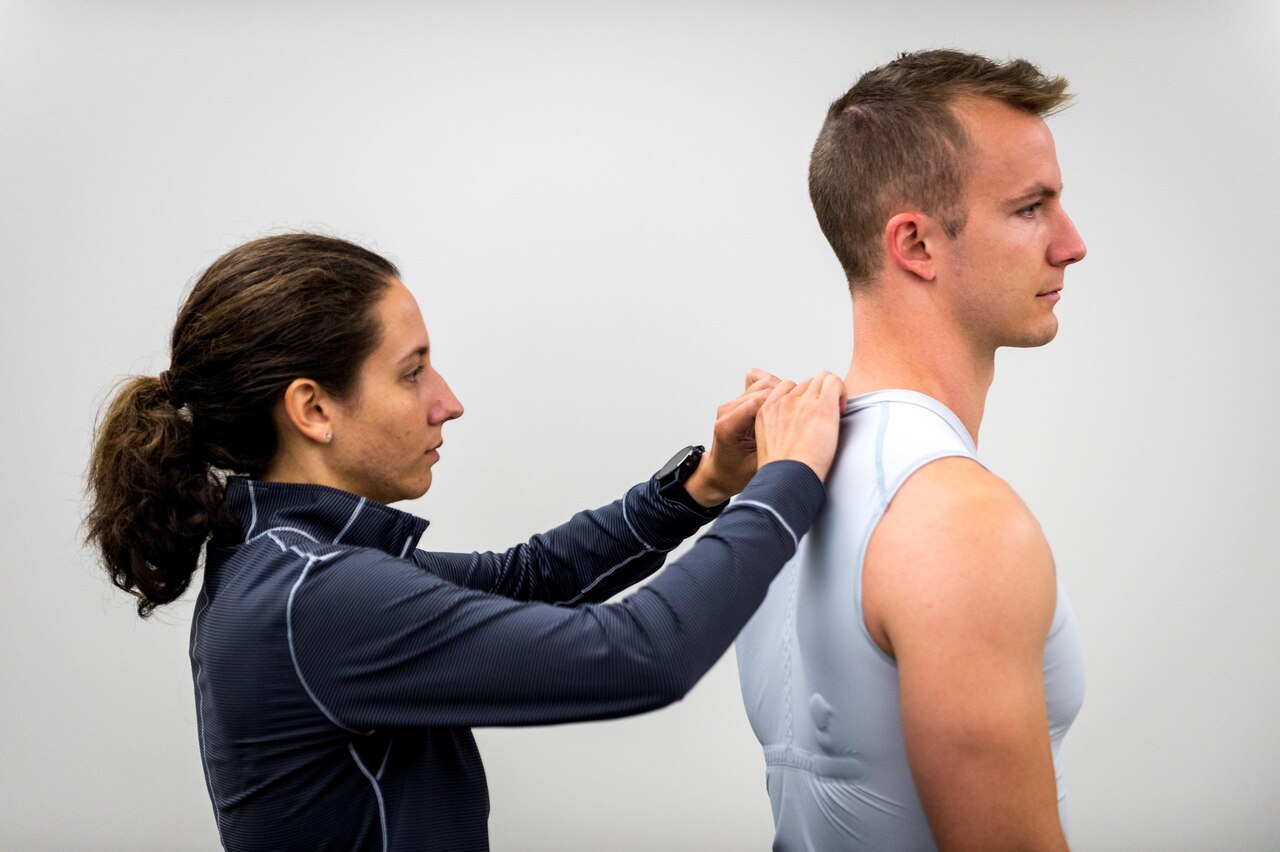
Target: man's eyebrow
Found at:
x=1039, y=192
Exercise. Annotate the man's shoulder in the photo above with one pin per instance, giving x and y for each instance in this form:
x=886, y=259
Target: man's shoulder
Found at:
x=957, y=493
x=956, y=516
x=956, y=540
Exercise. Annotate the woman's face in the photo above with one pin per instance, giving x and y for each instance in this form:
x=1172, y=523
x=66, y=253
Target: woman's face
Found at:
x=387, y=433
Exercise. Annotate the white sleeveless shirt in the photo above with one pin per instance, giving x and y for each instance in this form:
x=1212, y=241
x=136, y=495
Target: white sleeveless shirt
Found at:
x=821, y=695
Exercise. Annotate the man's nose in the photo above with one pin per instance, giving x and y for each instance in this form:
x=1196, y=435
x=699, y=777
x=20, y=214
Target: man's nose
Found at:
x=1068, y=248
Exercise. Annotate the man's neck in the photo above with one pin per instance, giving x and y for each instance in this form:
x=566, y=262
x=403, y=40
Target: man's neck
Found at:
x=922, y=354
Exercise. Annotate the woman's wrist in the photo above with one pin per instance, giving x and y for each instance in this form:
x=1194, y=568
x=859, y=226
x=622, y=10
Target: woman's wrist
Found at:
x=703, y=487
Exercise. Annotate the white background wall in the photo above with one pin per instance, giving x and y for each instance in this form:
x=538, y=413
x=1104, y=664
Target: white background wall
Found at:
x=602, y=209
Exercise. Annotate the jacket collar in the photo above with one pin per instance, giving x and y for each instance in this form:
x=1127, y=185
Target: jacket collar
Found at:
x=326, y=514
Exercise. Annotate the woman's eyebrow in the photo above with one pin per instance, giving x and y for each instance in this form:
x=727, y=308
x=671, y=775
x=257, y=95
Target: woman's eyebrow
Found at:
x=420, y=352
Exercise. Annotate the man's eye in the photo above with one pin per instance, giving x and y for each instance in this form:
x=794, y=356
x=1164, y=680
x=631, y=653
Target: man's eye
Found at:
x=1029, y=211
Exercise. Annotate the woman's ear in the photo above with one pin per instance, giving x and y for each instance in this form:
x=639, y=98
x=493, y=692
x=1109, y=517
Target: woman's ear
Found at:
x=307, y=409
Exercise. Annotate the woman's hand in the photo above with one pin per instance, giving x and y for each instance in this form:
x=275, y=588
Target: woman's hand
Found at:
x=728, y=466
x=801, y=422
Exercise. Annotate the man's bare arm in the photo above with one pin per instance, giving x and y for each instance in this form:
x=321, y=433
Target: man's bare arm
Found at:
x=959, y=588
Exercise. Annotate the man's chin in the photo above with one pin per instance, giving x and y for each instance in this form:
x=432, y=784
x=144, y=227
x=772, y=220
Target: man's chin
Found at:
x=1036, y=337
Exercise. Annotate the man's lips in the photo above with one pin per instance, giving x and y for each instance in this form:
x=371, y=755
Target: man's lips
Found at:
x=1054, y=292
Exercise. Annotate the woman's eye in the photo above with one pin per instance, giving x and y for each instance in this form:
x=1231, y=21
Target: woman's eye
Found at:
x=413, y=375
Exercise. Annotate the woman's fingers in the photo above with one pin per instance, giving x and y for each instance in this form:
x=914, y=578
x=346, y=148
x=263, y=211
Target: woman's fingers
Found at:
x=757, y=378
x=801, y=422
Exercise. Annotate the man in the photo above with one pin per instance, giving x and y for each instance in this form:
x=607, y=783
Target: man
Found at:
x=916, y=665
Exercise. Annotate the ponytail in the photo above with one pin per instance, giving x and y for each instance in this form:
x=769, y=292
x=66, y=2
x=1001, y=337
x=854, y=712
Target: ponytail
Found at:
x=153, y=500
x=265, y=313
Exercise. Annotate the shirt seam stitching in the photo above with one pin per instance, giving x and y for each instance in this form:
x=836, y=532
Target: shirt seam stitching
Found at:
x=312, y=559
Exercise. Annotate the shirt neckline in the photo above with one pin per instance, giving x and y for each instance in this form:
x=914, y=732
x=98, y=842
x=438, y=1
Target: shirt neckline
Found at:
x=910, y=397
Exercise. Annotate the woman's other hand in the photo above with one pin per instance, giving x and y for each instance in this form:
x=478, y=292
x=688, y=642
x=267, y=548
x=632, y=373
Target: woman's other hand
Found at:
x=731, y=462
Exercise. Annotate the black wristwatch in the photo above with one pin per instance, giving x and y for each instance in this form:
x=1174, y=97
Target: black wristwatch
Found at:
x=674, y=475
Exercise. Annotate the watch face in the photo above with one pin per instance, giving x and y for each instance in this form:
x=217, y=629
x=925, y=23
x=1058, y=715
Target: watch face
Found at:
x=688, y=457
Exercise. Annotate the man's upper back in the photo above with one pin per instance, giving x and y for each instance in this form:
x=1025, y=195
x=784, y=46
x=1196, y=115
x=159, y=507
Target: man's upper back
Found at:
x=822, y=696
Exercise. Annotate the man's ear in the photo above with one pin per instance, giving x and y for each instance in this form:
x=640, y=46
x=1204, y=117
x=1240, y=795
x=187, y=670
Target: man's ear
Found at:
x=306, y=407
x=909, y=244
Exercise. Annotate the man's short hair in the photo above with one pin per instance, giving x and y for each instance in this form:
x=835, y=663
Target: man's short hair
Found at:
x=892, y=142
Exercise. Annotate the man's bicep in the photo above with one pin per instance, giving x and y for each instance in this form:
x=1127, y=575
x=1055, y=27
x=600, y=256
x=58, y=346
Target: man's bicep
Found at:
x=961, y=584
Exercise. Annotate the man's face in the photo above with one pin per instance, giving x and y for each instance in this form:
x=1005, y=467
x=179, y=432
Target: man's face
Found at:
x=386, y=436
x=1006, y=267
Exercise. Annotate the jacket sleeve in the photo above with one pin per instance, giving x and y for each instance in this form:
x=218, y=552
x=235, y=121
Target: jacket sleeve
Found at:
x=381, y=642
x=588, y=559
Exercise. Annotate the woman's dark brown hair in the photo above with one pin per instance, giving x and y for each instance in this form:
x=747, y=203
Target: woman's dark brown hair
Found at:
x=265, y=313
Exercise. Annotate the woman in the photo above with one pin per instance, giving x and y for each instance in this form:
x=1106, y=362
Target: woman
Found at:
x=338, y=669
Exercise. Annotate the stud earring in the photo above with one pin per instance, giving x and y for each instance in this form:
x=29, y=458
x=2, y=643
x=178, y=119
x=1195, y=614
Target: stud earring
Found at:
x=328, y=436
